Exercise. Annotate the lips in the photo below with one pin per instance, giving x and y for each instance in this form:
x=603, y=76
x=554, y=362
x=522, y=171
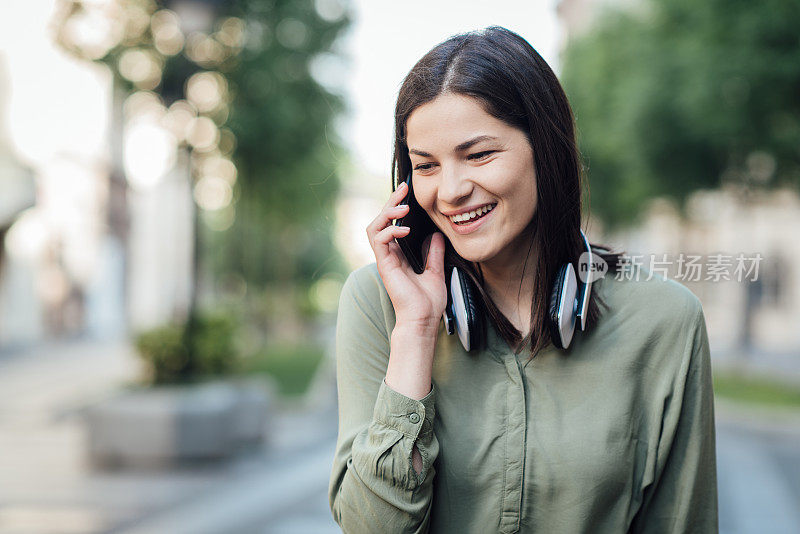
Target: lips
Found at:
x=472, y=225
x=472, y=214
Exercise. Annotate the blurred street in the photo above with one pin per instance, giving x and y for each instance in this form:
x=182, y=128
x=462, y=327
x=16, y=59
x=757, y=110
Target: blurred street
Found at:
x=758, y=459
x=47, y=486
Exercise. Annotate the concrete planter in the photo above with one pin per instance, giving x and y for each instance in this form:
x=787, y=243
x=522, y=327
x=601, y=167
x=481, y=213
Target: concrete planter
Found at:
x=168, y=425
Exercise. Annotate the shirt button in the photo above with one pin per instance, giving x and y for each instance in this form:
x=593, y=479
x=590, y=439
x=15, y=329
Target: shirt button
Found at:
x=414, y=418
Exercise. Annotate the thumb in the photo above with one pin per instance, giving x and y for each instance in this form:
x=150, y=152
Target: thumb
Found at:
x=436, y=248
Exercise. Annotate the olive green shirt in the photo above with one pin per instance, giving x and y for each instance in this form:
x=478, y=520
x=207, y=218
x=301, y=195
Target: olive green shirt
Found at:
x=615, y=434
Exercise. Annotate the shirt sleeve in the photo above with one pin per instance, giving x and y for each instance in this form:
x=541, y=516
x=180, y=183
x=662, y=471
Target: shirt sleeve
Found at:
x=683, y=496
x=373, y=485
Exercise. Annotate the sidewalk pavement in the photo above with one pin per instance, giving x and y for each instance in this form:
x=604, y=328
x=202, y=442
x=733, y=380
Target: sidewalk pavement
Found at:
x=758, y=469
x=47, y=485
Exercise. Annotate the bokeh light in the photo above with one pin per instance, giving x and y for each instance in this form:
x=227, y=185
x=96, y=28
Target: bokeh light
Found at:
x=291, y=33
x=330, y=10
x=137, y=18
x=142, y=67
x=213, y=193
x=149, y=153
x=202, y=133
x=217, y=166
x=206, y=90
x=178, y=117
x=204, y=50
x=144, y=105
x=167, y=36
x=96, y=29
x=231, y=32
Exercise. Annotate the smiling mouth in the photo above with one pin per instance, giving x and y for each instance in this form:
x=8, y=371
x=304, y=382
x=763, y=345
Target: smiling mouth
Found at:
x=472, y=216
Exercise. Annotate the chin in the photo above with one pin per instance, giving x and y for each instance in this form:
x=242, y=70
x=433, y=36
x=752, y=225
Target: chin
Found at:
x=474, y=253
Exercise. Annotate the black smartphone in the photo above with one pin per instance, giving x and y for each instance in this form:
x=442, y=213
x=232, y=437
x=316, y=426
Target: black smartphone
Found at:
x=421, y=227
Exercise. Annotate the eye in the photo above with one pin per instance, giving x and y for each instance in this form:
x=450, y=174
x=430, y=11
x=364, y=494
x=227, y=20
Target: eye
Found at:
x=423, y=167
x=480, y=155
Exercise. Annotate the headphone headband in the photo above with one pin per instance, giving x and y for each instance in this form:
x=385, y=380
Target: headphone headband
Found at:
x=583, y=305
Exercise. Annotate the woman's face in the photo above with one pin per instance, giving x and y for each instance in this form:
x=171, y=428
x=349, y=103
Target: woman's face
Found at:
x=464, y=159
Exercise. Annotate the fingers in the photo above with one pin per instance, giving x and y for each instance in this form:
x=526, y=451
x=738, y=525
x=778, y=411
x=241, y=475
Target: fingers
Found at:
x=395, y=212
x=381, y=241
x=426, y=243
x=380, y=231
x=390, y=211
x=385, y=236
x=435, y=254
x=397, y=195
x=391, y=206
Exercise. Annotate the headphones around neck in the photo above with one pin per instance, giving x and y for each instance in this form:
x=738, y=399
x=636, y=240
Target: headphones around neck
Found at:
x=464, y=313
x=569, y=303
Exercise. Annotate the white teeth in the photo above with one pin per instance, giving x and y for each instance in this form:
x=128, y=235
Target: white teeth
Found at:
x=472, y=214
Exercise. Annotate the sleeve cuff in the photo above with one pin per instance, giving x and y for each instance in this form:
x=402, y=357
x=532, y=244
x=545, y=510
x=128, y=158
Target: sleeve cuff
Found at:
x=412, y=417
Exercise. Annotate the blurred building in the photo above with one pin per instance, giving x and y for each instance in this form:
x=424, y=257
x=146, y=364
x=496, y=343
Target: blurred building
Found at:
x=17, y=299
x=89, y=246
x=755, y=309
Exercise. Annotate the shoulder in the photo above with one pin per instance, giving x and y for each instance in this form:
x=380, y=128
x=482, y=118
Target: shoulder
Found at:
x=643, y=304
x=365, y=286
x=650, y=330
x=363, y=293
x=641, y=290
x=365, y=277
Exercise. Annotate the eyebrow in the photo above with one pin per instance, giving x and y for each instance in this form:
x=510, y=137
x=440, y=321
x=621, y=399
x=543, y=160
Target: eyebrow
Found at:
x=460, y=148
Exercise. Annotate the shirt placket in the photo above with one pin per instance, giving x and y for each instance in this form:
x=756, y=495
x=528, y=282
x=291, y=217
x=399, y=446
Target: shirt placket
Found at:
x=516, y=428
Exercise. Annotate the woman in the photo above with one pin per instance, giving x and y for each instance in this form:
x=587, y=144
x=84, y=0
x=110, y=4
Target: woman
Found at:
x=613, y=434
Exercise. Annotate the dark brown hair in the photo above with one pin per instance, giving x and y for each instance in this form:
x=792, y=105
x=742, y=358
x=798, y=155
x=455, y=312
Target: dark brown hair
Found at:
x=514, y=84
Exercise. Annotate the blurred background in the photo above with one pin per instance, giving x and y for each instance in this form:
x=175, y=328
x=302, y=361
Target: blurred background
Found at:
x=184, y=187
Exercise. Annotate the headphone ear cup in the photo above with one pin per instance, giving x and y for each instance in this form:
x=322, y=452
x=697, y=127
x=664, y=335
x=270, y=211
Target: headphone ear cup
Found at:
x=552, y=315
x=472, y=305
x=449, y=316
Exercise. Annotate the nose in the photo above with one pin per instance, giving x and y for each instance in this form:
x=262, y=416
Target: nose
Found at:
x=454, y=186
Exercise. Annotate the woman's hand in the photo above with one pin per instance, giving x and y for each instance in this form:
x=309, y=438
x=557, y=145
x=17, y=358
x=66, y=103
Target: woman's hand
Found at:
x=419, y=299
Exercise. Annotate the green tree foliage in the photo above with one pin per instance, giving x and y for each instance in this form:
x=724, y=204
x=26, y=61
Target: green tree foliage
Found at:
x=677, y=96
x=287, y=151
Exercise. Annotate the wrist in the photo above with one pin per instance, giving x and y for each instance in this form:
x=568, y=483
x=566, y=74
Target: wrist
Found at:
x=411, y=355
x=416, y=329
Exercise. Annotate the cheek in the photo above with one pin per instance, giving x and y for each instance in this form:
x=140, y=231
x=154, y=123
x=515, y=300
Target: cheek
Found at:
x=515, y=185
x=526, y=200
x=425, y=196
x=519, y=194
